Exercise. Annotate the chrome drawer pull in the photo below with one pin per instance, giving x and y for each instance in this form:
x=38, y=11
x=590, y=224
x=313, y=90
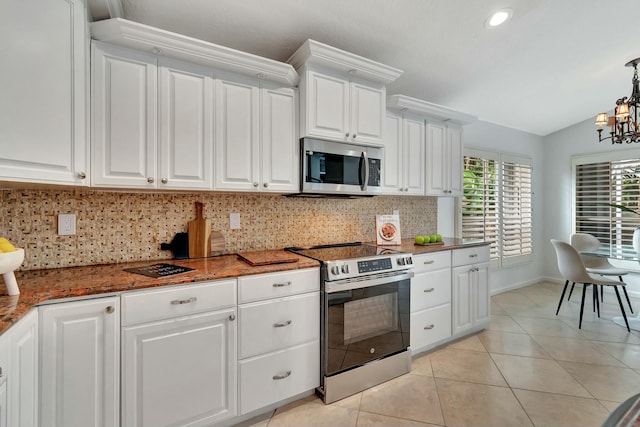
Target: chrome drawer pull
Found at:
x=183, y=301
x=429, y=262
x=282, y=324
x=430, y=290
x=281, y=285
x=473, y=256
x=429, y=327
x=282, y=376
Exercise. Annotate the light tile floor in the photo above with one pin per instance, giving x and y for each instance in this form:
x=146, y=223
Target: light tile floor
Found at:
x=529, y=368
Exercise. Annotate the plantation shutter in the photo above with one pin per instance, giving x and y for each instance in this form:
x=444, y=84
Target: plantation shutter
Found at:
x=480, y=208
x=516, y=207
x=600, y=184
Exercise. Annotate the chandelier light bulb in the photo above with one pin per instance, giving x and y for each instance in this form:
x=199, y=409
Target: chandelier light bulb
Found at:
x=601, y=120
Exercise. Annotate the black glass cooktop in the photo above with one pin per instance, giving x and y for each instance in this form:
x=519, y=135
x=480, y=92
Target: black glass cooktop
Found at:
x=342, y=251
x=159, y=270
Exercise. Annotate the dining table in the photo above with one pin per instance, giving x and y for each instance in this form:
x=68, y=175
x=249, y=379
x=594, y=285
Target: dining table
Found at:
x=622, y=253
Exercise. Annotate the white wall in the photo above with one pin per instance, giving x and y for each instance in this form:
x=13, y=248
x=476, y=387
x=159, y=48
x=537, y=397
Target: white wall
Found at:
x=491, y=137
x=559, y=148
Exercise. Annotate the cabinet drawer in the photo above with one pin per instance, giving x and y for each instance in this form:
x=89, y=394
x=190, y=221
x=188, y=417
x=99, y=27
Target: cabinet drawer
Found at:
x=430, y=326
x=273, y=325
x=432, y=261
x=276, y=376
x=275, y=285
x=472, y=255
x=430, y=289
x=164, y=303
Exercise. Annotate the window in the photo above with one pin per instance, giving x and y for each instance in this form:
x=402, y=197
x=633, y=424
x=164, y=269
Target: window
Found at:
x=496, y=204
x=598, y=185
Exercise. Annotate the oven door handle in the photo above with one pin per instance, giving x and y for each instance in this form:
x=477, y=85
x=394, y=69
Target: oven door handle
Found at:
x=346, y=284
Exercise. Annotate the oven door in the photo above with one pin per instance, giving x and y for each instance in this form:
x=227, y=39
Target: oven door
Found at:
x=332, y=167
x=364, y=321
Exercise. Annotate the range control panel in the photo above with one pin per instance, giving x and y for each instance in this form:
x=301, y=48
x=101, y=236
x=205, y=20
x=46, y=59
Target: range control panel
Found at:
x=336, y=270
x=374, y=265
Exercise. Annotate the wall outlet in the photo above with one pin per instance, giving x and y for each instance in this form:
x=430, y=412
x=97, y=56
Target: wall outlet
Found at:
x=66, y=224
x=234, y=221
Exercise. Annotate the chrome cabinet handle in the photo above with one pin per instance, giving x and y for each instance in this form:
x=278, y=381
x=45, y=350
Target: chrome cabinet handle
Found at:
x=429, y=262
x=281, y=376
x=354, y=136
x=265, y=185
x=255, y=184
x=347, y=134
x=430, y=290
x=431, y=326
x=281, y=285
x=232, y=317
x=150, y=180
x=164, y=180
x=109, y=309
x=282, y=324
x=183, y=301
x=81, y=175
x=473, y=256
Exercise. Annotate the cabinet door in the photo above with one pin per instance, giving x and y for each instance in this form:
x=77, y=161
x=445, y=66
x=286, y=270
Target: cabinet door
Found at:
x=413, y=153
x=392, y=165
x=124, y=117
x=482, y=312
x=5, y=367
x=280, y=150
x=180, y=371
x=368, y=102
x=455, y=160
x=236, y=135
x=436, y=167
x=462, y=298
x=327, y=106
x=186, y=126
x=23, y=385
x=43, y=104
x=80, y=363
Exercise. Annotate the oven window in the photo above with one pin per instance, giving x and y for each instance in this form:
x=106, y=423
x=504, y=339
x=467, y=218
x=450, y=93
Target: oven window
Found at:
x=365, y=324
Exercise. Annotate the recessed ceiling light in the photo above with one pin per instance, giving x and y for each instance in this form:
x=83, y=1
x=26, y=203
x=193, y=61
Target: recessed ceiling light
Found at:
x=499, y=17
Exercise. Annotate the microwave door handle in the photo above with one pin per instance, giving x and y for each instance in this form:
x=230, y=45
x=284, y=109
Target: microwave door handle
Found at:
x=364, y=160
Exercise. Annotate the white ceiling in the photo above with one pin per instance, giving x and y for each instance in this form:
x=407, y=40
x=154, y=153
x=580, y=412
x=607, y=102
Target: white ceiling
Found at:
x=555, y=63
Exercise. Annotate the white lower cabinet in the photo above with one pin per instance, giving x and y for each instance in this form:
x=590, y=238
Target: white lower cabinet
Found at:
x=23, y=385
x=279, y=337
x=470, y=289
x=179, y=369
x=80, y=363
x=5, y=357
x=430, y=300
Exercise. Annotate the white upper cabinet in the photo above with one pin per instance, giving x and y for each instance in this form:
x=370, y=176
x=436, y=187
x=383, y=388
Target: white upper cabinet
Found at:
x=441, y=141
x=404, y=144
x=342, y=95
x=43, y=132
x=256, y=142
x=133, y=92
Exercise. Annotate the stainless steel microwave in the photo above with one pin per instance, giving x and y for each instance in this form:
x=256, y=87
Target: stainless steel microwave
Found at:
x=339, y=169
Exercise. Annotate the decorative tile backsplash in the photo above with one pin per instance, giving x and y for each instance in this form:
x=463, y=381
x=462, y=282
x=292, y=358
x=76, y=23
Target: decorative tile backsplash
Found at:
x=117, y=227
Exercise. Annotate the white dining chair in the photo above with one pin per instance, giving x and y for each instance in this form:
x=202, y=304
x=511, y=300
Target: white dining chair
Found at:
x=572, y=269
x=584, y=242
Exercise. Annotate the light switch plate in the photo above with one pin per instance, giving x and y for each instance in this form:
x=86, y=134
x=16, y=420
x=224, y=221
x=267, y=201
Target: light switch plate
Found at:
x=234, y=221
x=66, y=224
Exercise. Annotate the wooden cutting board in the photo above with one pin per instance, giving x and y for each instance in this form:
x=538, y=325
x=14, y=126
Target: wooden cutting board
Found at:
x=199, y=234
x=268, y=257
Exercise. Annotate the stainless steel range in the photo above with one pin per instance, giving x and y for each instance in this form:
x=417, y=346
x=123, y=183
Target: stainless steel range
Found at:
x=364, y=316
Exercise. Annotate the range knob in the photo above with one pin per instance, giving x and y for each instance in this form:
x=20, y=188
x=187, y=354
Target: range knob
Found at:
x=409, y=260
x=346, y=269
x=335, y=270
x=401, y=261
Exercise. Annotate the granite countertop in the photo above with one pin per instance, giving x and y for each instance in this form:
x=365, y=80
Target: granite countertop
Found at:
x=449, y=243
x=41, y=286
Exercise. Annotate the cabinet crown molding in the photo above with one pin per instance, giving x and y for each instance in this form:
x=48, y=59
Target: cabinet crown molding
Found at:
x=131, y=34
x=316, y=53
x=424, y=108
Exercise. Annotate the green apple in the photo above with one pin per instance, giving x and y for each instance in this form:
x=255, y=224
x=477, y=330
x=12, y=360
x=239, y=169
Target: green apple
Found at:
x=433, y=238
x=427, y=239
x=438, y=238
x=419, y=240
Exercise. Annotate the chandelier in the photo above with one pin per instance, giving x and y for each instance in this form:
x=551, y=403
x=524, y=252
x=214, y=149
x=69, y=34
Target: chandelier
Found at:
x=624, y=123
